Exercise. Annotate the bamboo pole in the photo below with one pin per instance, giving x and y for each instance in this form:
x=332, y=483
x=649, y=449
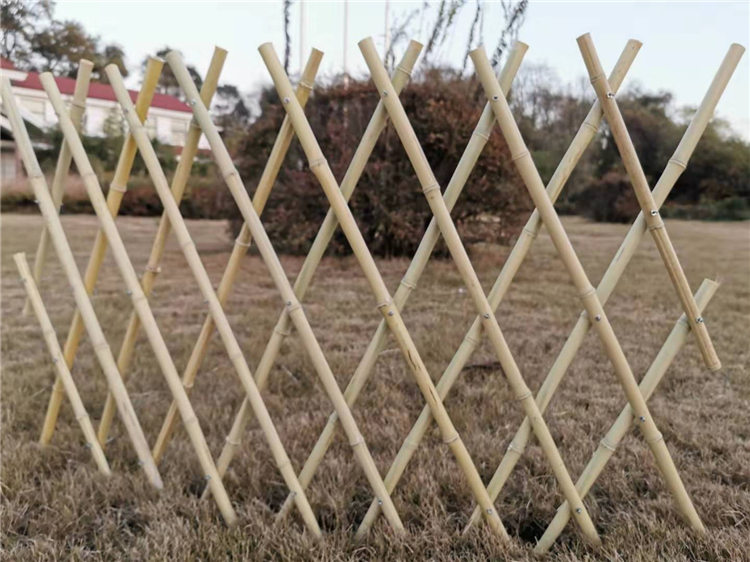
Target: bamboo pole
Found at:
x=159, y=346
x=530, y=177
x=617, y=432
x=50, y=337
x=646, y=200
x=431, y=189
x=323, y=173
x=312, y=260
x=179, y=182
x=204, y=284
x=77, y=108
x=241, y=246
x=409, y=281
x=473, y=337
x=65, y=255
x=617, y=266
x=299, y=320
x=114, y=198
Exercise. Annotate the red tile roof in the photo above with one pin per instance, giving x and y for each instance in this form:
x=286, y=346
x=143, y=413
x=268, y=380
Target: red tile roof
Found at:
x=5, y=63
x=99, y=91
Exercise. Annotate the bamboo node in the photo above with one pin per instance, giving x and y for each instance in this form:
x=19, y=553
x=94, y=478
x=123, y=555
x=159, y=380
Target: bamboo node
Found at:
x=481, y=134
x=117, y=187
x=451, y=438
x=520, y=155
x=607, y=445
x=430, y=188
x=596, y=77
x=305, y=84
x=282, y=332
x=229, y=173
x=523, y=396
x=532, y=232
x=404, y=70
x=678, y=162
x=358, y=441
x=317, y=162
x=239, y=242
x=656, y=438
x=516, y=448
x=232, y=442
x=471, y=339
x=292, y=306
x=78, y=104
x=408, y=284
x=155, y=269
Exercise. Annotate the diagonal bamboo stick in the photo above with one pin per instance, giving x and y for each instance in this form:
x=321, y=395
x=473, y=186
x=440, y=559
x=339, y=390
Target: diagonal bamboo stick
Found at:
x=241, y=246
x=50, y=337
x=80, y=294
x=159, y=346
x=625, y=421
x=431, y=190
x=617, y=267
x=179, y=181
x=646, y=200
x=114, y=198
x=323, y=173
x=528, y=235
x=530, y=177
x=77, y=108
x=312, y=260
x=409, y=281
x=299, y=320
x=231, y=344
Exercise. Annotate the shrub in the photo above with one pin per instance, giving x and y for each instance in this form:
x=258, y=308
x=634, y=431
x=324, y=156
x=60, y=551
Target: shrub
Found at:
x=388, y=203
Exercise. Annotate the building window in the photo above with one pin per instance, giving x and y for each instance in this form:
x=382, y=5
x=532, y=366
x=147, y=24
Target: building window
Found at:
x=179, y=132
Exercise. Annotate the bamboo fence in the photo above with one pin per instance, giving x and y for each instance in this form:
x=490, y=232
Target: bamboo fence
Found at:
x=292, y=316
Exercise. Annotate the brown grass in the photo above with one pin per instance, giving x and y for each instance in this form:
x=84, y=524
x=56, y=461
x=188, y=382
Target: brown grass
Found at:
x=55, y=505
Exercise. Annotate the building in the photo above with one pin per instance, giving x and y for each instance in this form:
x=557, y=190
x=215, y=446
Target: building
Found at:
x=167, y=120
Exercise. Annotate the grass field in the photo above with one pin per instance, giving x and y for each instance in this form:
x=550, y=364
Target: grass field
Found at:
x=56, y=506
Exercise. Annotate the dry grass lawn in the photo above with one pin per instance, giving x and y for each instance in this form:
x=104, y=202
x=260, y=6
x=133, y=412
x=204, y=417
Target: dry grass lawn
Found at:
x=56, y=506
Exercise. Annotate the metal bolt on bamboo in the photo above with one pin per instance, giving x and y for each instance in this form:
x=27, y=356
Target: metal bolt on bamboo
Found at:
x=65, y=255
x=50, y=337
x=179, y=182
x=410, y=279
x=530, y=176
x=625, y=421
x=618, y=265
x=114, y=198
x=299, y=320
x=312, y=260
x=232, y=346
x=323, y=173
x=77, y=107
x=528, y=235
x=241, y=246
x=431, y=189
x=646, y=200
x=138, y=299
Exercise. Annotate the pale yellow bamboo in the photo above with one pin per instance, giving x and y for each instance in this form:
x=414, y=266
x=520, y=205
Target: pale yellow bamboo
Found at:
x=473, y=337
x=676, y=340
x=646, y=201
x=617, y=267
x=241, y=246
x=323, y=173
x=530, y=176
x=148, y=154
x=179, y=181
x=304, y=278
x=159, y=346
x=431, y=189
x=114, y=198
x=50, y=337
x=77, y=107
x=299, y=320
x=80, y=294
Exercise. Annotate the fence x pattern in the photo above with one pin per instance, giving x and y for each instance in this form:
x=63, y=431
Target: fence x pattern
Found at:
x=292, y=317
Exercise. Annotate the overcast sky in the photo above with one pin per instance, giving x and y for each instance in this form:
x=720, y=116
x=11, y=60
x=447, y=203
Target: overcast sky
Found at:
x=683, y=42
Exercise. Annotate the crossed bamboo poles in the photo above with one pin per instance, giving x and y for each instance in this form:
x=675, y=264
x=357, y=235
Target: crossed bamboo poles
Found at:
x=619, y=263
x=691, y=321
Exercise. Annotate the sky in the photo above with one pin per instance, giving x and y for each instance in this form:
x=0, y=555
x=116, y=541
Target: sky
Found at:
x=683, y=42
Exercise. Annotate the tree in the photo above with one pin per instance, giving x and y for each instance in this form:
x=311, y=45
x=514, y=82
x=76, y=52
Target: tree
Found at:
x=34, y=40
x=167, y=80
